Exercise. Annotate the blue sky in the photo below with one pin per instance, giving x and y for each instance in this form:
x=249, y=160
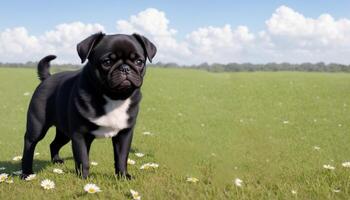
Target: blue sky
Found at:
x=184, y=15
x=194, y=28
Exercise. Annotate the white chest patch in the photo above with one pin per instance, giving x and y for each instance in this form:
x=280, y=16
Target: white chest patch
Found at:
x=115, y=119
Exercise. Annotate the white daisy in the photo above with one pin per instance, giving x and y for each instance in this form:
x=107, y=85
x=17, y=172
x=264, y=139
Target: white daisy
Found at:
x=346, y=164
x=131, y=162
x=17, y=158
x=328, y=167
x=149, y=165
x=140, y=155
x=93, y=163
x=91, y=188
x=154, y=165
x=47, y=184
x=2, y=168
x=336, y=190
x=30, y=177
x=238, y=182
x=147, y=133
x=3, y=177
x=58, y=171
x=26, y=93
x=9, y=181
x=17, y=173
x=135, y=195
x=294, y=192
x=317, y=148
x=192, y=179
x=285, y=122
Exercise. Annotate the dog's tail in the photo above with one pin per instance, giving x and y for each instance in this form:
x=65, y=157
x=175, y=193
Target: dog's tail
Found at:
x=43, y=67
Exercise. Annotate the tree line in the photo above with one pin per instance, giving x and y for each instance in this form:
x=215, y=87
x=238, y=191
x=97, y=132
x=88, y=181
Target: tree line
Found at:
x=250, y=67
x=217, y=67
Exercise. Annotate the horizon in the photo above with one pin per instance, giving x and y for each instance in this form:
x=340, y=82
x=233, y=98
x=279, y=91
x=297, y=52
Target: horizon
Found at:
x=279, y=31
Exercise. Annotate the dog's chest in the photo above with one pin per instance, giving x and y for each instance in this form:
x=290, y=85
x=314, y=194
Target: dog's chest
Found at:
x=115, y=118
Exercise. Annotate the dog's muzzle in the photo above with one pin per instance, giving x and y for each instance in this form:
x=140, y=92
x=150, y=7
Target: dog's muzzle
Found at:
x=124, y=68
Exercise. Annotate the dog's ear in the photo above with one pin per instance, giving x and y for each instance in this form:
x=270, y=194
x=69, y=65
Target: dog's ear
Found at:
x=147, y=45
x=85, y=47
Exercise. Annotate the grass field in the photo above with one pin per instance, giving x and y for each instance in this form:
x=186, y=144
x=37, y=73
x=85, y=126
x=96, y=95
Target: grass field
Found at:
x=263, y=128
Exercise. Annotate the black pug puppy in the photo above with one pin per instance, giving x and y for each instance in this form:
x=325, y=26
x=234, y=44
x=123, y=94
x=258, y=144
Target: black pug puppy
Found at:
x=101, y=100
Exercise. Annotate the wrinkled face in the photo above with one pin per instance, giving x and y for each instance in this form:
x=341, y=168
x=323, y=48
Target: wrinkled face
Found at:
x=120, y=61
x=116, y=62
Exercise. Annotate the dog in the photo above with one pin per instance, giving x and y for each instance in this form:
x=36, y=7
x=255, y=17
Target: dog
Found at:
x=101, y=100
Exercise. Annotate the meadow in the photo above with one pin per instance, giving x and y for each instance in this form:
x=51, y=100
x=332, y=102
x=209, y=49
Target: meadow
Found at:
x=275, y=131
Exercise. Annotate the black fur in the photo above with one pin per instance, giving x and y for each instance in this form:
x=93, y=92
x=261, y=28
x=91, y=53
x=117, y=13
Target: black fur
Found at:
x=68, y=100
x=43, y=67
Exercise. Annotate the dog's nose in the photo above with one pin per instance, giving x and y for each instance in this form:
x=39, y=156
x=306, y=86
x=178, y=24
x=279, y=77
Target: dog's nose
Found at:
x=124, y=68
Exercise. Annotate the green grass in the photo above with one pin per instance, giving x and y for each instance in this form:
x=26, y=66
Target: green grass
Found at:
x=213, y=126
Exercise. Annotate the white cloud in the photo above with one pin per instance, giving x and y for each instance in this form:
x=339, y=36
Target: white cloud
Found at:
x=17, y=42
x=289, y=36
x=153, y=24
x=16, y=45
x=63, y=40
x=219, y=44
x=297, y=38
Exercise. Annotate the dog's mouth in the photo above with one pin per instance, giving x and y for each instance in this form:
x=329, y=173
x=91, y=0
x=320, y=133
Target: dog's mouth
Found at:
x=118, y=81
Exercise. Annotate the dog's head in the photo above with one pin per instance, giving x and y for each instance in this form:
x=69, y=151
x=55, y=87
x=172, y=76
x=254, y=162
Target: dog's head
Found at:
x=117, y=62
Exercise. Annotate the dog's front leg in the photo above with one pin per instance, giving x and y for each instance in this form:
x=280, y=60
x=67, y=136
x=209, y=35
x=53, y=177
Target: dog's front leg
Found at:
x=81, y=146
x=121, y=147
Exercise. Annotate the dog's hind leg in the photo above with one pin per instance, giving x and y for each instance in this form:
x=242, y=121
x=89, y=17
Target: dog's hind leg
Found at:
x=36, y=131
x=60, y=140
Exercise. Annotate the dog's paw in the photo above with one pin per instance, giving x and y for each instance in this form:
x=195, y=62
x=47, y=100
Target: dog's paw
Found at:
x=24, y=176
x=126, y=176
x=57, y=161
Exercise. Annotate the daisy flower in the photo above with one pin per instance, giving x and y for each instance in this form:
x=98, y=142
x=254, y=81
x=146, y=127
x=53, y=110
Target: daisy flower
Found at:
x=17, y=173
x=147, y=133
x=328, y=167
x=58, y=171
x=26, y=93
x=131, y=162
x=91, y=188
x=192, y=179
x=3, y=177
x=238, y=182
x=47, y=184
x=30, y=177
x=286, y=122
x=2, y=168
x=149, y=165
x=154, y=165
x=336, y=190
x=294, y=192
x=346, y=164
x=140, y=155
x=135, y=195
x=17, y=158
x=93, y=163
x=317, y=148
x=9, y=181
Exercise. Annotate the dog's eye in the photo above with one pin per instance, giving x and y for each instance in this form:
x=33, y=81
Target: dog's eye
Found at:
x=139, y=62
x=107, y=62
